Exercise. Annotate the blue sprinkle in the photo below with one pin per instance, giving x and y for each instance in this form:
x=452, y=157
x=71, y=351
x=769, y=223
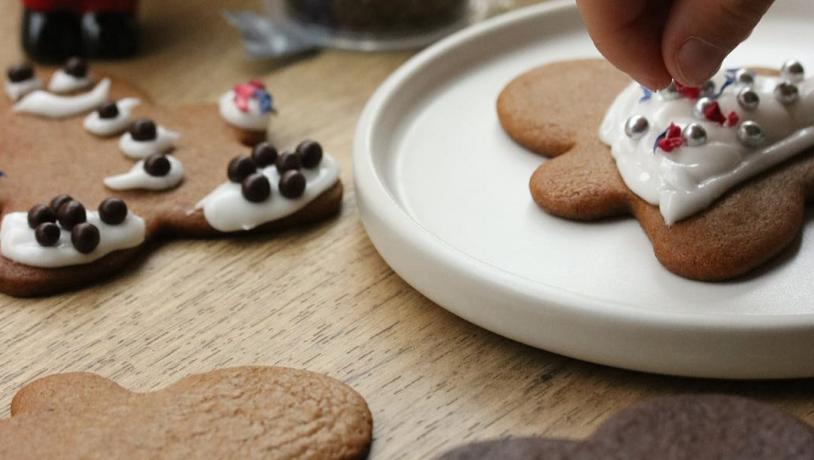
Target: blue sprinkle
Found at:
x=266, y=102
x=658, y=139
x=648, y=94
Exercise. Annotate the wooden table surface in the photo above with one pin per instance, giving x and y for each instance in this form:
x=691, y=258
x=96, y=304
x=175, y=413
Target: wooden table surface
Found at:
x=319, y=298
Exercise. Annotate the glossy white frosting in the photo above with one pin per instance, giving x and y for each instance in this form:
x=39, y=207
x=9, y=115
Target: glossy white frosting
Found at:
x=46, y=104
x=139, y=150
x=226, y=210
x=689, y=179
x=16, y=90
x=18, y=243
x=138, y=179
x=106, y=127
x=253, y=119
x=62, y=82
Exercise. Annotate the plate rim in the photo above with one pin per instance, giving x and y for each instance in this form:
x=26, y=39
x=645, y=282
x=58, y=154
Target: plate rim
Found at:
x=379, y=207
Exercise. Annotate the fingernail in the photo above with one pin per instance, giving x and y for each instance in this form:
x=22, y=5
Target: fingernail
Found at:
x=698, y=60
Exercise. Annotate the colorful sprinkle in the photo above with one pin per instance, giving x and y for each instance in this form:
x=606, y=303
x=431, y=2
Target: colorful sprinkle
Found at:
x=669, y=140
x=254, y=89
x=648, y=94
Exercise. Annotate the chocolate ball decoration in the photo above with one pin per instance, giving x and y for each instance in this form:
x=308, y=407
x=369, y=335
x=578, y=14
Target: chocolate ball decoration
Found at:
x=112, y=211
x=751, y=134
x=793, y=71
x=694, y=135
x=748, y=99
x=701, y=107
x=58, y=201
x=85, y=237
x=20, y=73
x=70, y=214
x=256, y=188
x=47, y=234
x=157, y=165
x=310, y=154
x=264, y=154
x=745, y=77
x=143, y=129
x=40, y=214
x=240, y=168
x=292, y=184
x=108, y=110
x=787, y=93
x=76, y=67
x=288, y=161
x=636, y=127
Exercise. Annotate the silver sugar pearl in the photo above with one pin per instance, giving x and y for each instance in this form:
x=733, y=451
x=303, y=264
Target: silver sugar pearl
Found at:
x=745, y=77
x=751, y=134
x=701, y=107
x=636, y=127
x=708, y=89
x=749, y=99
x=793, y=71
x=787, y=93
x=670, y=92
x=694, y=135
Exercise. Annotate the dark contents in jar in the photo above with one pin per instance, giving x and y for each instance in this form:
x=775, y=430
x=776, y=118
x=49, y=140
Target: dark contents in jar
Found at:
x=378, y=16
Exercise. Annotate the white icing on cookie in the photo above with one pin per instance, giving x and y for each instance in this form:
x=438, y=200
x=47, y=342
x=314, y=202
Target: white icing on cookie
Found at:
x=689, y=179
x=138, y=179
x=16, y=90
x=111, y=126
x=18, y=243
x=62, y=82
x=253, y=119
x=50, y=105
x=226, y=210
x=139, y=150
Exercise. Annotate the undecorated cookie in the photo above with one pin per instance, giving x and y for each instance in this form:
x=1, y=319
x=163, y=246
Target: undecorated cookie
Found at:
x=246, y=412
x=556, y=111
x=691, y=427
x=172, y=167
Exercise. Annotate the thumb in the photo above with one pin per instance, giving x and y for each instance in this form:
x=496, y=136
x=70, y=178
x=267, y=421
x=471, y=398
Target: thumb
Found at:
x=699, y=34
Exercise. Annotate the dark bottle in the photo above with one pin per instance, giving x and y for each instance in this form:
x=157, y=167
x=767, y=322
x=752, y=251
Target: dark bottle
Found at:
x=54, y=30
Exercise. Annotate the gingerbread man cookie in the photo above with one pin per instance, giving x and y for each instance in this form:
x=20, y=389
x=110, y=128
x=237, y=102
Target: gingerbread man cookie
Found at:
x=690, y=427
x=717, y=176
x=174, y=171
x=246, y=412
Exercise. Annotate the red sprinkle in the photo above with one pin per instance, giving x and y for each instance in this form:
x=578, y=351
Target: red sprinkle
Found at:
x=672, y=139
x=732, y=120
x=244, y=93
x=714, y=113
x=691, y=92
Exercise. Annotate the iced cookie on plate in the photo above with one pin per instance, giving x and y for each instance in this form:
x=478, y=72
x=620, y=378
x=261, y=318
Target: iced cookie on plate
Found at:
x=718, y=176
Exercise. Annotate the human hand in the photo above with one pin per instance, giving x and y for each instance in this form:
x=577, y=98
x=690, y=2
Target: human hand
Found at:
x=656, y=41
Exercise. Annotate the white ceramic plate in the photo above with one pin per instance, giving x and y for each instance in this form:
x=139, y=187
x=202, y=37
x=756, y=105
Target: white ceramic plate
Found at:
x=444, y=197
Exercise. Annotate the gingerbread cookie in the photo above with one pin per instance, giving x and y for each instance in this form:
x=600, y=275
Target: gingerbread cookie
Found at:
x=171, y=167
x=691, y=427
x=717, y=176
x=246, y=412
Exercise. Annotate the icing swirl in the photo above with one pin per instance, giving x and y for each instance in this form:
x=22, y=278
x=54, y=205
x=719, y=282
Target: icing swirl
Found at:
x=62, y=82
x=18, y=242
x=682, y=153
x=106, y=127
x=43, y=103
x=138, y=178
x=138, y=150
x=226, y=210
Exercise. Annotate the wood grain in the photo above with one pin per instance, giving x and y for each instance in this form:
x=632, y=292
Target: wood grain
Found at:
x=320, y=298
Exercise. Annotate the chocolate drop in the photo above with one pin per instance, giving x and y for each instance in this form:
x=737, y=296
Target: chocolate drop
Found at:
x=288, y=161
x=143, y=129
x=264, y=154
x=108, y=110
x=70, y=214
x=47, y=234
x=20, y=73
x=256, y=188
x=157, y=165
x=58, y=201
x=113, y=211
x=40, y=214
x=292, y=184
x=76, y=67
x=310, y=154
x=85, y=237
x=240, y=168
